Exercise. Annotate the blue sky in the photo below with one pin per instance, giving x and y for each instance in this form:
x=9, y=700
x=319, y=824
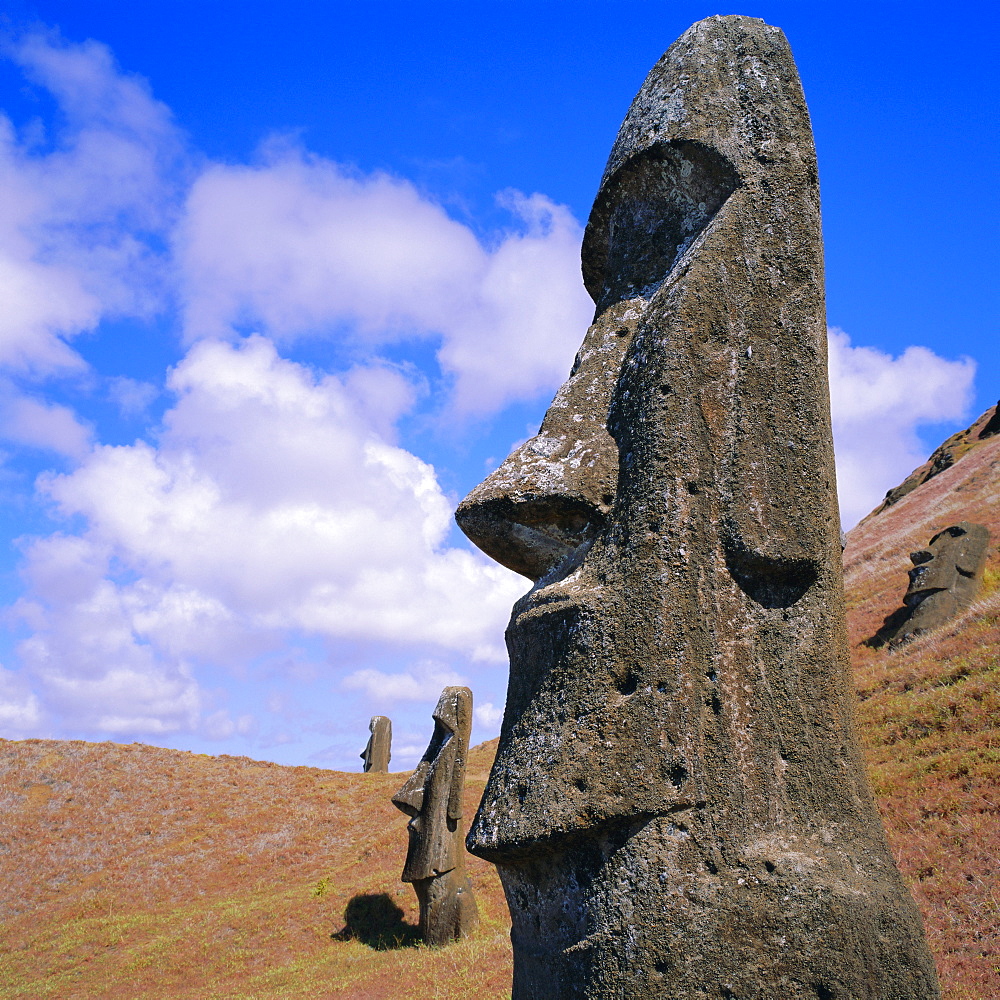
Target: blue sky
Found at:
x=283, y=282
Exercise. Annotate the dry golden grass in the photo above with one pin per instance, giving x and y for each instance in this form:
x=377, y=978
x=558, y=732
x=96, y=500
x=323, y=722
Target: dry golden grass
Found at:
x=134, y=872
x=929, y=718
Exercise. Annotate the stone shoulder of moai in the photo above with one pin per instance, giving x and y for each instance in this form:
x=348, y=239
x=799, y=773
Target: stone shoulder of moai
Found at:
x=678, y=808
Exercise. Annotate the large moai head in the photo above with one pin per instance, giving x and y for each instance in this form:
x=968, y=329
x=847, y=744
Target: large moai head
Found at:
x=378, y=752
x=945, y=579
x=432, y=795
x=678, y=807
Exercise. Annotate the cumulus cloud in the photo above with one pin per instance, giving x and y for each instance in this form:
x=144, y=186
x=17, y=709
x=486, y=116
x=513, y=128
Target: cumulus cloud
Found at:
x=300, y=246
x=269, y=507
x=489, y=716
x=83, y=207
x=131, y=396
x=20, y=709
x=423, y=683
x=273, y=507
x=42, y=425
x=878, y=402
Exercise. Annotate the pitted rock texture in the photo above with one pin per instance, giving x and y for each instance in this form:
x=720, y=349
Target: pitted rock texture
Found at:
x=377, y=754
x=678, y=807
x=432, y=798
x=945, y=579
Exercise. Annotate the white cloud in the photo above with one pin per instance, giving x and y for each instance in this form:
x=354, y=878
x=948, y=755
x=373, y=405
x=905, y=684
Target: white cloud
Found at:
x=423, y=683
x=221, y=726
x=273, y=509
x=131, y=396
x=269, y=508
x=80, y=206
x=299, y=246
x=878, y=402
x=489, y=716
x=43, y=425
x=20, y=710
x=91, y=668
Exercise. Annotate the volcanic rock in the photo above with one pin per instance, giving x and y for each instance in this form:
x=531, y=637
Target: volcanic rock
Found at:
x=432, y=797
x=678, y=807
x=377, y=753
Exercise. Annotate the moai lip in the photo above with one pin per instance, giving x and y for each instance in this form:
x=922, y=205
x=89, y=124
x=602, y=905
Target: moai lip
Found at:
x=378, y=751
x=945, y=579
x=678, y=807
x=432, y=798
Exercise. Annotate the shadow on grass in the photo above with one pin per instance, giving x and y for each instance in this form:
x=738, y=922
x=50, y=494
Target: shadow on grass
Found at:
x=375, y=920
x=888, y=628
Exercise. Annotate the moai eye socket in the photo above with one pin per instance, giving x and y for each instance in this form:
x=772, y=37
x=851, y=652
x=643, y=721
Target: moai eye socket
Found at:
x=652, y=210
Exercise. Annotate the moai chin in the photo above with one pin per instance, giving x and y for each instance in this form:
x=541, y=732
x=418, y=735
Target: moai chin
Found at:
x=378, y=752
x=678, y=807
x=945, y=579
x=432, y=797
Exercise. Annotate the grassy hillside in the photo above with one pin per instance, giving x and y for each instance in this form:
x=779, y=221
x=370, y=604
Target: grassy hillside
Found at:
x=130, y=871
x=134, y=872
x=929, y=719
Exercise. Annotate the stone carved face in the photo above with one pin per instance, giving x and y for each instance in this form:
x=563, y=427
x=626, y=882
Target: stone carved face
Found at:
x=676, y=795
x=953, y=557
x=662, y=492
x=378, y=752
x=432, y=796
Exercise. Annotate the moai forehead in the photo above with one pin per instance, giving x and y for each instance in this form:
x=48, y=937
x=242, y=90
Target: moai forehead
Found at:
x=432, y=796
x=677, y=509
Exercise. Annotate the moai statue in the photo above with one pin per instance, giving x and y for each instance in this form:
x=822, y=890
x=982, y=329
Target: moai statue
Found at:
x=678, y=807
x=435, y=861
x=944, y=580
x=378, y=752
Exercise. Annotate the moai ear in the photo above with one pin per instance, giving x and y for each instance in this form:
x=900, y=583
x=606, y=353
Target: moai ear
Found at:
x=461, y=719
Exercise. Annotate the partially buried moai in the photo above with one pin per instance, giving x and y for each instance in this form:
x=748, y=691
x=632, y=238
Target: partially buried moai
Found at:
x=678, y=807
x=945, y=579
x=432, y=797
x=378, y=751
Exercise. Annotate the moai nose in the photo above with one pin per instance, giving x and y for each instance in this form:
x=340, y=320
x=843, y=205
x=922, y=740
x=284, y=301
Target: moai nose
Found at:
x=524, y=526
x=552, y=495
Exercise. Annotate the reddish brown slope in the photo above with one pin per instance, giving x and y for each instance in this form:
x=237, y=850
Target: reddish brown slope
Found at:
x=929, y=715
x=131, y=871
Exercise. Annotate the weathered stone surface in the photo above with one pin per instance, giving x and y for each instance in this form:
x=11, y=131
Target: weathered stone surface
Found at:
x=378, y=752
x=678, y=807
x=945, y=579
x=432, y=797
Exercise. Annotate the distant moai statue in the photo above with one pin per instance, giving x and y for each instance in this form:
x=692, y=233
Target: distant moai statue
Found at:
x=378, y=752
x=432, y=797
x=945, y=579
x=678, y=807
